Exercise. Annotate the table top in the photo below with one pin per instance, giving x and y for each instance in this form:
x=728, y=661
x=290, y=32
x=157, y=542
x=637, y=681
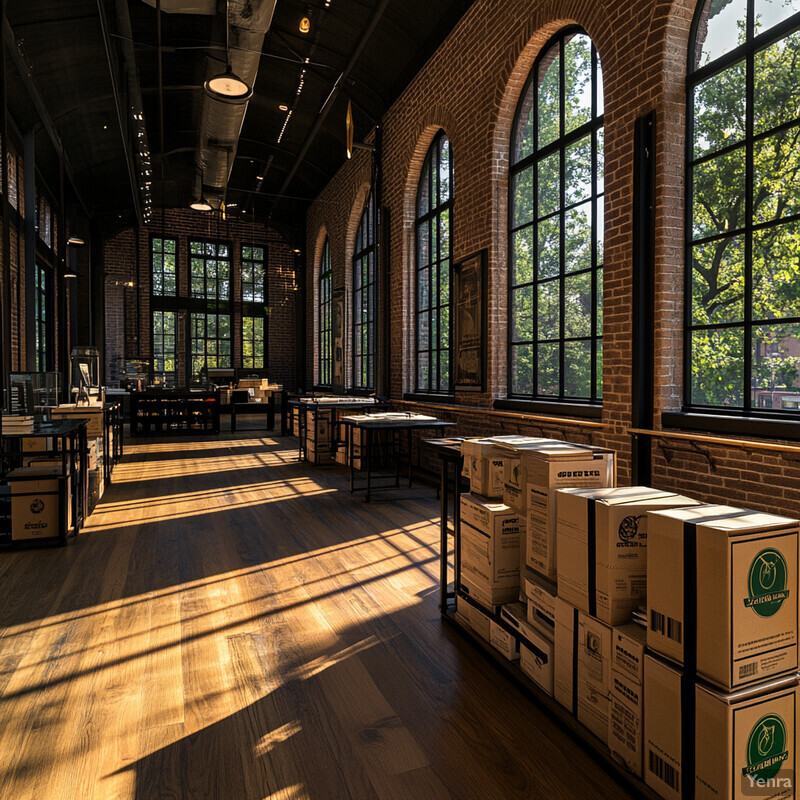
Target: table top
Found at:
x=382, y=423
x=42, y=430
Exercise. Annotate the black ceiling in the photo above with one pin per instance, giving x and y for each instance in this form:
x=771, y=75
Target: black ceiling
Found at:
x=77, y=55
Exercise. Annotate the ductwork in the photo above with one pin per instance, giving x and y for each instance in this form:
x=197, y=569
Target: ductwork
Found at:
x=207, y=7
x=220, y=121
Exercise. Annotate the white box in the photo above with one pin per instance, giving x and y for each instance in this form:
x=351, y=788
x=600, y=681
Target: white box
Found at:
x=594, y=674
x=626, y=721
x=548, y=469
x=628, y=649
x=742, y=586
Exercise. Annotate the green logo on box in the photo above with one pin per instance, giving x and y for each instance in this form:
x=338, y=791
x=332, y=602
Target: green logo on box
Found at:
x=766, y=583
x=766, y=748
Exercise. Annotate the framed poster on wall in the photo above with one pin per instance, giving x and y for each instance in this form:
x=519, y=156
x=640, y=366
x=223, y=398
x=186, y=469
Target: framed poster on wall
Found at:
x=469, y=315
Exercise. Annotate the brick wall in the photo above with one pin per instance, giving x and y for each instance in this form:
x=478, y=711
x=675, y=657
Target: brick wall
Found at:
x=470, y=88
x=127, y=258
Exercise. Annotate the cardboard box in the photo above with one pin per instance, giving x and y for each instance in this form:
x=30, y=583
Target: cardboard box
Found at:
x=550, y=468
x=473, y=618
x=318, y=428
x=503, y=641
x=741, y=592
x=536, y=648
x=565, y=649
x=489, y=598
x=602, y=547
x=93, y=415
x=37, y=444
x=594, y=674
x=540, y=596
x=35, y=503
x=514, y=485
x=626, y=703
x=320, y=455
x=742, y=744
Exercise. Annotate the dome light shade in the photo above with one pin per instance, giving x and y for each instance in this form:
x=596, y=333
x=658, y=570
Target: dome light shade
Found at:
x=201, y=205
x=76, y=241
x=228, y=86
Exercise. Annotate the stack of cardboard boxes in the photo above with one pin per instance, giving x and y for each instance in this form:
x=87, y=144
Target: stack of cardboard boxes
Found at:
x=609, y=583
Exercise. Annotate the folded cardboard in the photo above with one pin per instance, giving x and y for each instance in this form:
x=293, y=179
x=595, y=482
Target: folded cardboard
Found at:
x=602, y=547
x=536, y=648
x=725, y=581
x=554, y=466
x=626, y=702
x=474, y=618
x=711, y=745
x=540, y=596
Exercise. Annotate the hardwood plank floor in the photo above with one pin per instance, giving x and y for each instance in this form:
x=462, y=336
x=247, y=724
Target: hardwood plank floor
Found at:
x=233, y=625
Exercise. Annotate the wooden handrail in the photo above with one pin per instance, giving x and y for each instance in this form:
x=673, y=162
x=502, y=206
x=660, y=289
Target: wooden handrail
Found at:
x=510, y=414
x=751, y=443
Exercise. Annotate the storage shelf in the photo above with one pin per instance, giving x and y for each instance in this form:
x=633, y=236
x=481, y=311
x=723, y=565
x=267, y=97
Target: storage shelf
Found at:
x=582, y=736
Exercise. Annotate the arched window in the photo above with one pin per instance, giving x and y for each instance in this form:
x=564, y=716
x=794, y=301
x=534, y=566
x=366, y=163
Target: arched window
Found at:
x=364, y=300
x=742, y=342
x=434, y=262
x=325, y=318
x=556, y=227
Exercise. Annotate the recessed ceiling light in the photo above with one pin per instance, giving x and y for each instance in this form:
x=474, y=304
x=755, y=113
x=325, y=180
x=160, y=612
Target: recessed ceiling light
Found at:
x=259, y=177
x=305, y=25
x=283, y=107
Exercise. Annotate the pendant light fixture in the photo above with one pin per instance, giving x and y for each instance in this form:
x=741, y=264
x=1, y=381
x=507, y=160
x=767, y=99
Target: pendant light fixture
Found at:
x=201, y=204
x=228, y=86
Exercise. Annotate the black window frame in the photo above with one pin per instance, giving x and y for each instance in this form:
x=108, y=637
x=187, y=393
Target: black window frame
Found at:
x=252, y=284
x=254, y=340
x=364, y=298
x=192, y=338
x=747, y=419
x=325, y=317
x=157, y=267
x=206, y=257
x=436, y=263
x=44, y=307
x=595, y=128
x=168, y=377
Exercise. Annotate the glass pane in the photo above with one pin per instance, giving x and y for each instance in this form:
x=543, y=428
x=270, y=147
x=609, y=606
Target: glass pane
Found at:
x=601, y=160
x=423, y=371
x=444, y=234
x=169, y=245
x=522, y=314
x=719, y=30
x=196, y=248
x=771, y=12
x=444, y=370
x=776, y=272
x=578, y=238
x=776, y=357
x=158, y=245
x=549, y=243
x=523, y=132
x=522, y=369
x=719, y=110
x=578, y=167
x=599, y=87
x=423, y=244
x=522, y=197
x=776, y=176
x=522, y=256
x=548, y=98
x=548, y=369
x=549, y=310
x=578, y=369
x=600, y=230
x=423, y=289
x=247, y=252
x=578, y=305
x=599, y=330
x=222, y=250
x=717, y=367
x=718, y=281
x=444, y=172
x=444, y=324
x=424, y=192
x=423, y=332
x=444, y=283
x=719, y=195
x=599, y=371
x=549, y=188
x=776, y=73
x=258, y=253
x=578, y=79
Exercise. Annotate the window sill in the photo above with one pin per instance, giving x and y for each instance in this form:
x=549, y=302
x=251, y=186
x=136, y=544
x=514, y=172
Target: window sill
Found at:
x=759, y=427
x=567, y=409
x=419, y=397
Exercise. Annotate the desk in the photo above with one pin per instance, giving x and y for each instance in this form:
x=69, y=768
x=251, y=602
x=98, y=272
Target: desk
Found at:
x=449, y=452
x=267, y=408
x=368, y=424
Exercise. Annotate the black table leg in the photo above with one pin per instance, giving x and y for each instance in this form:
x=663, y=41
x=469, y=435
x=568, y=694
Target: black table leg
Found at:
x=368, y=448
x=443, y=511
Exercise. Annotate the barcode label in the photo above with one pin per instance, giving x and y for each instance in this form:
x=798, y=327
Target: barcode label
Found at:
x=663, y=771
x=748, y=670
x=666, y=626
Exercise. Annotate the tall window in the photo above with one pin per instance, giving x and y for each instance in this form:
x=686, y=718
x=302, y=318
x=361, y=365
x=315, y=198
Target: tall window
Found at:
x=253, y=342
x=556, y=226
x=210, y=264
x=325, y=318
x=210, y=342
x=254, y=279
x=742, y=345
x=434, y=261
x=364, y=301
x=42, y=317
x=164, y=347
x=163, y=266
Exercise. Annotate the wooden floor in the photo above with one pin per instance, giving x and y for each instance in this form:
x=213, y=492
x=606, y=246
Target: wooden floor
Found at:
x=232, y=625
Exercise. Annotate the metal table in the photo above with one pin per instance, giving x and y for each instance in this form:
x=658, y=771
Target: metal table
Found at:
x=369, y=425
x=249, y=407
